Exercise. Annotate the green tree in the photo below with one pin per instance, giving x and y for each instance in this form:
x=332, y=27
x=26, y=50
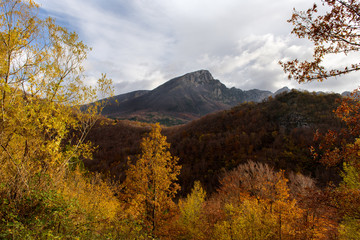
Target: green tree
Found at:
x=150, y=183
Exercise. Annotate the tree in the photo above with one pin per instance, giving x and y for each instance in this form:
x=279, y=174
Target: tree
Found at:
x=256, y=203
x=41, y=89
x=150, y=183
x=335, y=32
x=191, y=212
x=42, y=130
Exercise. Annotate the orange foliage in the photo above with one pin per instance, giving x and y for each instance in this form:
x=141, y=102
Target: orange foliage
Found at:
x=255, y=202
x=150, y=184
x=335, y=32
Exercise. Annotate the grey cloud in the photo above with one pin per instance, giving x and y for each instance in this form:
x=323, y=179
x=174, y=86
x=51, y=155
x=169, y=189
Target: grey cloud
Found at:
x=141, y=44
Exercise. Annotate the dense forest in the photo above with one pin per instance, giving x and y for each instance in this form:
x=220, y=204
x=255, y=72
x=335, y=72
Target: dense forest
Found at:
x=285, y=168
x=278, y=132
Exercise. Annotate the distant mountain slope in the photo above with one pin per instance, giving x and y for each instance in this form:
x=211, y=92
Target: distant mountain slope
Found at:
x=180, y=100
x=278, y=131
x=115, y=102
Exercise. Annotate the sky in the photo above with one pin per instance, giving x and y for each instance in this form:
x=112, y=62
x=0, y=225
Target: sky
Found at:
x=141, y=44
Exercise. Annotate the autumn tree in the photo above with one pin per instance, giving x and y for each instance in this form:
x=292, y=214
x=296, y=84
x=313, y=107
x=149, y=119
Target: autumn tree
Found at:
x=257, y=203
x=42, y=130
x=192, y=213
x=255, y=200
x=335, y=32
x=150, y=184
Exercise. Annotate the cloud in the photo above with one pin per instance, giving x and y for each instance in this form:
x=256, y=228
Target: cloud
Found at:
x=141, y=44
x=254, y=63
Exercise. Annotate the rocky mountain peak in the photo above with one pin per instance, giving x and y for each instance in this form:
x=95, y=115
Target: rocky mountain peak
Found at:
x=281, y=90
x=182, y=98
x=200, y=77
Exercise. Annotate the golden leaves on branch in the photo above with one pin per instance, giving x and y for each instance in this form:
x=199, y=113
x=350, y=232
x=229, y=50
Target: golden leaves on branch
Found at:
x=335, y=32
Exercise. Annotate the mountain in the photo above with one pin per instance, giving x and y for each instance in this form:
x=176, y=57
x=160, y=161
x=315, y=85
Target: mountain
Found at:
x=346, y=94
x=282, y=90
x=278, y=131
x=180, y=100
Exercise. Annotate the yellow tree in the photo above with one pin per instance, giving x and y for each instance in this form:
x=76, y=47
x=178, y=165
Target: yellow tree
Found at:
x=192, y=213
x=257, y=204
x=42, y=87
x=150, y=183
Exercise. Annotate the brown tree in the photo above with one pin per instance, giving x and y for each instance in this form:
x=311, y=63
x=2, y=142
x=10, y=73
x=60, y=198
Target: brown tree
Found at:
x=335, y=32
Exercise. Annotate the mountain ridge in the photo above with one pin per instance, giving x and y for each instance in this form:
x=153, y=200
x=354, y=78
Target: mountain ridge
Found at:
x=180, y=99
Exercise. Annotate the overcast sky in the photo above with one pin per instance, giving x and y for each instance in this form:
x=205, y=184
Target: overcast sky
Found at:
x=141, y=44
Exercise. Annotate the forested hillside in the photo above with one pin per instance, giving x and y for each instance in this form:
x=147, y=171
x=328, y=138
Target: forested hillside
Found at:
x=278, y=132
x=250, y=167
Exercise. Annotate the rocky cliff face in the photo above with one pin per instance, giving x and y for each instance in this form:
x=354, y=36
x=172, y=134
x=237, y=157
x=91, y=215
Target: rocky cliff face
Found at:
x=182, y=99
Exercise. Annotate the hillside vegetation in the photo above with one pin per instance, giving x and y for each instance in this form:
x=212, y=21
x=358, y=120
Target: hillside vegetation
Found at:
x=247, y=172
x=278, y=132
